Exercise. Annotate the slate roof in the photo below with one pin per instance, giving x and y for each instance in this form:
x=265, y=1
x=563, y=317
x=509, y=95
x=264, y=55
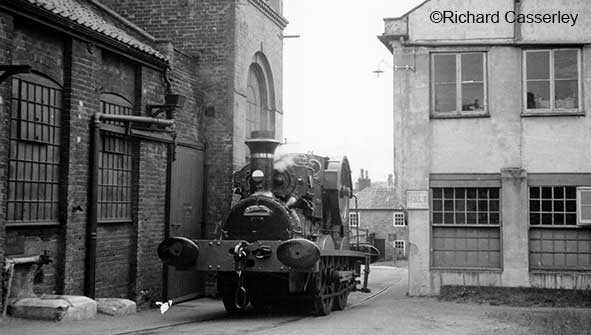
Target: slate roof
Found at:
x=87, y=16
x=376, y=197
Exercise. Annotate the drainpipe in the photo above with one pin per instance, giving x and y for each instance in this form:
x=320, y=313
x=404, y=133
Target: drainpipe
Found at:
x=90, y=278
x=95, y=137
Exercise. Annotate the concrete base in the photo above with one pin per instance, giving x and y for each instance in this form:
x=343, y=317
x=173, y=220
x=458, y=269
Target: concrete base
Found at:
x=115, y=306
x=54, y=307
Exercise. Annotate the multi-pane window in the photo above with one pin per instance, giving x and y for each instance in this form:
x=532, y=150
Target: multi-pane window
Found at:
x=400, y=247
x=115, y=166
x=553, y=205
x=466, y=206
x=556, y=241
x=353, y=220
x=399, y=219
x=552, y=80
x=458, y=83
x=34, y=158
x=466, y=227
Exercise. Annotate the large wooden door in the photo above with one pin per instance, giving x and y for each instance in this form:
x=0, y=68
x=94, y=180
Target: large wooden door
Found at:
x=186, y=215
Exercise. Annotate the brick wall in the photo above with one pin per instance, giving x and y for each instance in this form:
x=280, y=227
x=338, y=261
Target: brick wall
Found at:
x=202, y=30
x=44, y=51
x=151, y=217
x=6, y=28
x=126, y=252
x=82, y=99
x=258, y=42
x=116, y=242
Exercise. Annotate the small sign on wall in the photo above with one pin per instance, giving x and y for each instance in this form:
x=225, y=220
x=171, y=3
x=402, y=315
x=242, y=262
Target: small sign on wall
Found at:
x=417, y=199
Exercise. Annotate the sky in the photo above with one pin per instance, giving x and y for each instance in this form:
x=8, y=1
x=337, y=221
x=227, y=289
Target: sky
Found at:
x=333, y=102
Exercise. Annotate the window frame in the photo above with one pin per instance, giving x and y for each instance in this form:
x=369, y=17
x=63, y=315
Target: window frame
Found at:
x=488, y=229
x=580, y=204
x=396, y=223
x=579, y=110
x=403, y=246
x=459, y=113
x=125, y=154
x=354, y=214
x=558, y=247
x=52, y=148
x=552, y=212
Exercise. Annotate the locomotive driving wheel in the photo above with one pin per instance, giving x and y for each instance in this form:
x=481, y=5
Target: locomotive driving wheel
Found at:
x=340, y=301
x=324, y=288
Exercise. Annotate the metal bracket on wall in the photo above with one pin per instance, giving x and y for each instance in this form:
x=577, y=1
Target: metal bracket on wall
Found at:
x=404, y=67
x=10, y=70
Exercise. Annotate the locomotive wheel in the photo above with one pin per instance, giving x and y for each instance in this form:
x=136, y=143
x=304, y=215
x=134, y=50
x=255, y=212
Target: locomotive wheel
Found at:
x=340, y=301
x=227, y=287
x=324, y=286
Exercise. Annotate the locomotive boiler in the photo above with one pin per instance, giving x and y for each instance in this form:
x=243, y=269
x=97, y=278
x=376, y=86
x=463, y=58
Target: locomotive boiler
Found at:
x=288, y=237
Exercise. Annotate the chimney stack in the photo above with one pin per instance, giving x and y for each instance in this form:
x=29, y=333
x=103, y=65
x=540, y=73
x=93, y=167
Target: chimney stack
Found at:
x=363, y=181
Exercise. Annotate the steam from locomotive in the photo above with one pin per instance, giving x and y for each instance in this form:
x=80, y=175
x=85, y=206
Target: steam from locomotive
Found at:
x=287, y=237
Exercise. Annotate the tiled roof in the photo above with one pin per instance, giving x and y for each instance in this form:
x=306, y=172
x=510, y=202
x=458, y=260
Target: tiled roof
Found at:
x=376, y=197
x=85, y=15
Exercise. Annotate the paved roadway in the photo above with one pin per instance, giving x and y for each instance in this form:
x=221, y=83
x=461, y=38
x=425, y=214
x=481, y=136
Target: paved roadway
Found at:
x=387, y=310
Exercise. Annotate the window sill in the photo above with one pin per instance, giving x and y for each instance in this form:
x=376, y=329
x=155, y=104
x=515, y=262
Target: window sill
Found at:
x=561, y=271
x=559, y=226
x=549, y=113
x=474, y=115
x=18, y=224
x=114, y=221
x=464, y=225
x=444, y=269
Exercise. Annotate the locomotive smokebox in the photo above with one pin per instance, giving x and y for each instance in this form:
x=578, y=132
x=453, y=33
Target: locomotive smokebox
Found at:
x=262, y=147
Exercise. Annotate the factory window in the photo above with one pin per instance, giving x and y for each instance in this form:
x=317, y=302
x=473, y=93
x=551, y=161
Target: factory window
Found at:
x=399, y=219
x=458, y=84
x=353, y=220
x=466, y=227
x=257, y=117
x=552, y=80
x=34, y=151
x=115, y=166
x=553, y=205
x=400, y=247
x=557, y=238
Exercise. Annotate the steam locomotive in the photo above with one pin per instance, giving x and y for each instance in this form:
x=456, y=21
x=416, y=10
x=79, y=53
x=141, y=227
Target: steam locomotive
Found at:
x=288, y=236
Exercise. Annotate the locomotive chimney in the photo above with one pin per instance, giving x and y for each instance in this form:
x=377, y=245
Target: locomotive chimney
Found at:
x=262, y=147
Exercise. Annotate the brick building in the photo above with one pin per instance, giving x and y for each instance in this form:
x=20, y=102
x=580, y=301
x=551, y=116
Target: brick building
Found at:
x=491, y=137
x=158, y=166
x=379, y=217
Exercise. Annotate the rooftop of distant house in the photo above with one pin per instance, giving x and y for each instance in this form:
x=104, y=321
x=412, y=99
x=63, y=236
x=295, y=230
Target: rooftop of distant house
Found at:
x=379, y=195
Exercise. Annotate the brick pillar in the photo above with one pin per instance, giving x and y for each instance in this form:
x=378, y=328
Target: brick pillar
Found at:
x=151, y=205
x=6, y=28
x=515, y=229
x=81, y=101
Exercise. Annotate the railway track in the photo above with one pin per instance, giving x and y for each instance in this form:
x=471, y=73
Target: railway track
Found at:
x=222, y=316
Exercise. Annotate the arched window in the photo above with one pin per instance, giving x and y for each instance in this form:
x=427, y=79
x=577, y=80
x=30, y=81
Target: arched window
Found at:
x=115, y=166
x=35, y=150
x=257, y=115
